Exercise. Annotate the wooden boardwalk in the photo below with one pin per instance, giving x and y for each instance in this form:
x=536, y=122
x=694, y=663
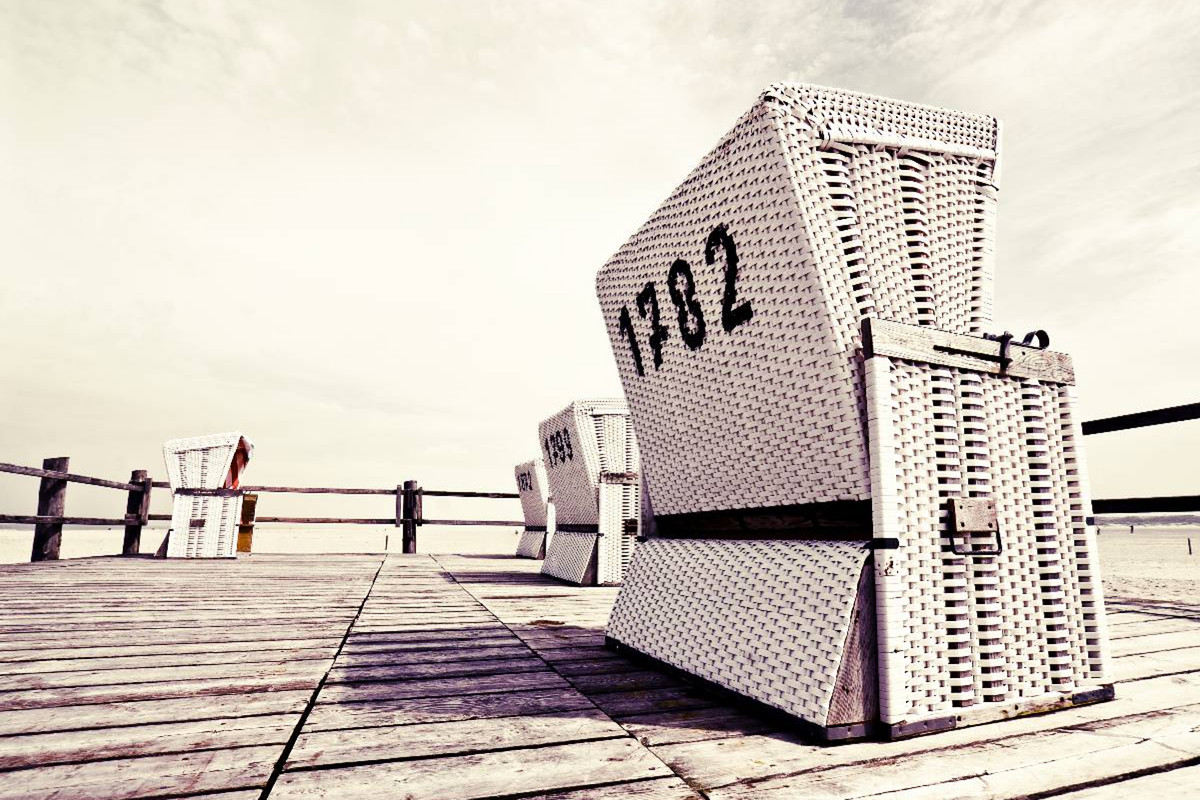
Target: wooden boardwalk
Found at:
x=473, y=677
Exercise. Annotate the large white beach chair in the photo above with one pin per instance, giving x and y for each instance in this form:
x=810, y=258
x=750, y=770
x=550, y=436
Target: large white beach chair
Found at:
x=887, y=539
x=591, y=460
x=534, y=492
x=204, y=473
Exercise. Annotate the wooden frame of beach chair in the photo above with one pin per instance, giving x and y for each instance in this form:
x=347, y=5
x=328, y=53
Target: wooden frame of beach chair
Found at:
x=735, y=315
x=204, y=473
x=592, y=464
x=535, y=495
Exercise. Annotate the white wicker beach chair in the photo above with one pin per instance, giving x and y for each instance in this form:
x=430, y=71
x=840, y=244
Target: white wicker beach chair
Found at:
x=591, y=460
x=532, y=487
x=207, y=508
x=735, y=317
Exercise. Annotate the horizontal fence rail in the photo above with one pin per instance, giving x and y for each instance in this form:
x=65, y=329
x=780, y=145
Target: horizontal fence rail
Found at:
x=1147, y=505
x=25, y=519
x=49, y=519
x=16, y=469
x=1144, y=419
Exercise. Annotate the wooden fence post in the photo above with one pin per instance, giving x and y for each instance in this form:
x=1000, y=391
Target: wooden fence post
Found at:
x=52, y=500
x=410, y=514
x=245, y=540
x=137, y=506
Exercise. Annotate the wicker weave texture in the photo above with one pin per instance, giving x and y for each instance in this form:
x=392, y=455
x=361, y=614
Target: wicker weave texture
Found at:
x=592, y=466
x=958, y=634
x=571, y=556
x=581, y=441
x=767, y=619
x=203, y=462
x=620, y=514
x=534, y=490
x=835, y=206
x=532, y=544
x=216, y=538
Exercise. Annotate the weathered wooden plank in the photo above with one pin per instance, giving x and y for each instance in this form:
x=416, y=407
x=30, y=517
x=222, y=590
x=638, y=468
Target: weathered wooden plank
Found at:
x=150, y=621
x=427, y=657
x=593, y=684
x=693, y=725
x=324, y=748
x=406, y=672
x=655, y=789
x=302, y=676
x=203, y=771
x=484, y=625
x=184, y=650
x=332, y=716
x=594, y=666
x=141, y=662
x=147, y=712
x=60, y=473
x=1153, y=626
x=1166, y=662
x=1155, y=642
x=42, y=749
x=481, y=775
x=199, y=635
x=558, y=655
x=917, y=343
x=304, y=668
x=419, y=644
x=754, y=758
x=1180, y=782
x=1108, y=760
x=439, y=687
x=651, y=701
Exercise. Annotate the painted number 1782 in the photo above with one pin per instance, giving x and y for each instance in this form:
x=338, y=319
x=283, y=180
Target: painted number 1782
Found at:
x=681, y=287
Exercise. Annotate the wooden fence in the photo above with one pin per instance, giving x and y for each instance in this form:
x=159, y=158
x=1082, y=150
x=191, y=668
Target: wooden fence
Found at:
x=52, y=492
x=1144, y=419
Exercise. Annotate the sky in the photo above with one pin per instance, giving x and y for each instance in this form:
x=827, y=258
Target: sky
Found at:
x=366, y=233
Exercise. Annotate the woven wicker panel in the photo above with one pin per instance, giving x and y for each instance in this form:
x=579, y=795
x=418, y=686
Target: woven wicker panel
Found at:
x=767, y=619
x=534, y=490
x=837, y=206
x=217, y=538
x=200, y=462
x=620, y=507
x=960, y=634
x=571, y=444
x=571, y=557
x=203, y=462
x=532, y=544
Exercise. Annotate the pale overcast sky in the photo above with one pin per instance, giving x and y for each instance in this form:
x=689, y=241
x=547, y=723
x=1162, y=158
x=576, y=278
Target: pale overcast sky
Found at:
x=365, y=233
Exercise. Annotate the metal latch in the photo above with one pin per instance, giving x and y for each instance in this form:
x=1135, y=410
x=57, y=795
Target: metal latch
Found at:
x=970, y=516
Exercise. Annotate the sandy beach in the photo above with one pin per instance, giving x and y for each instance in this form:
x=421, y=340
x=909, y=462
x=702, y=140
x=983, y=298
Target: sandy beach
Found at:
x=15, y=543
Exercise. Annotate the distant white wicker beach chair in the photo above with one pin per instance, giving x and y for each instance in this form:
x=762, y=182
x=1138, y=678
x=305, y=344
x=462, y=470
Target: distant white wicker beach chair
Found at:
x=532, y=486
x=204, y=473
x=591, y=460
x=735, y=315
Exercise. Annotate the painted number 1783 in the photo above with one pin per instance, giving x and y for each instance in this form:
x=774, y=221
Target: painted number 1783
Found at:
x=681, y=287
